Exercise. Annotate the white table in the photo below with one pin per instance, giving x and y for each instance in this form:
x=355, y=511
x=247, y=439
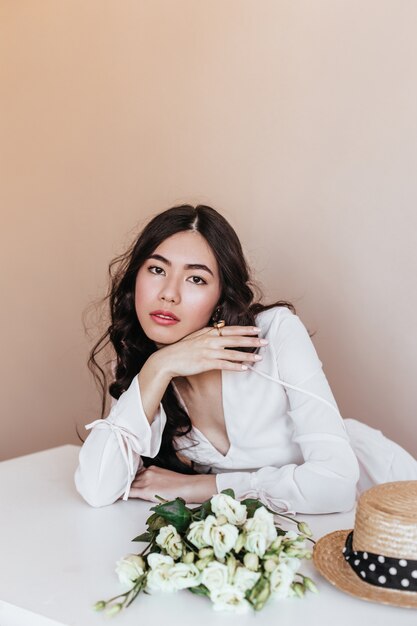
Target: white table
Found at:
x=58, y=554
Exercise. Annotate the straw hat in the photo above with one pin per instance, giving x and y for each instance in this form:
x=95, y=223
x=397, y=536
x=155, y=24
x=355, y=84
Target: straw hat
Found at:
x=377, y=560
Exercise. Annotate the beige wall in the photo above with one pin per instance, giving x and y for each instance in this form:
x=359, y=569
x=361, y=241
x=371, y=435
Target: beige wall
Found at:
x=296, y=119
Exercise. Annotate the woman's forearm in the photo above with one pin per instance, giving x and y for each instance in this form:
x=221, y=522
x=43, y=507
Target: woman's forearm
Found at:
x=153, y=381
x=200, y=487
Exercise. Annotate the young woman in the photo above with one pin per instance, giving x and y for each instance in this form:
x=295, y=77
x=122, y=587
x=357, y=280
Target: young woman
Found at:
x=213, y=390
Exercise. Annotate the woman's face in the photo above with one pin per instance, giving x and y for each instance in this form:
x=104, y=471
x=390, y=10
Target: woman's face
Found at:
x=168, y=284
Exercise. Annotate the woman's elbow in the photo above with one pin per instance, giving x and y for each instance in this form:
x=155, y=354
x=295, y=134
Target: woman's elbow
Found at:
x=335, y=493
x=342, y=486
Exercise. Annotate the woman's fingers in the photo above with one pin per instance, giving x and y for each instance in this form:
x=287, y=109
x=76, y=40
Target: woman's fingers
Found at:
x=236, y=355
x=237, y=330
x=236, y=366
x=236, y=342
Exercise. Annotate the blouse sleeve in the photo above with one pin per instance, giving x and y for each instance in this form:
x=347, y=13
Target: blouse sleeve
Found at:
x=111, y=454
x=326, y=481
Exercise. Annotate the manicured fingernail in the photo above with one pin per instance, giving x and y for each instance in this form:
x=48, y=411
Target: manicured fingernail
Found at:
x=263, y=342
x=244, y=367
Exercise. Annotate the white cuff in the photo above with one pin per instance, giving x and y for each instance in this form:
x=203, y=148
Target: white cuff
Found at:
x=125, y=439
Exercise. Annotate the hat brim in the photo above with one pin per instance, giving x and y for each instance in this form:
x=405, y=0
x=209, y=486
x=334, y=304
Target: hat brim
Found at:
x=330, y=562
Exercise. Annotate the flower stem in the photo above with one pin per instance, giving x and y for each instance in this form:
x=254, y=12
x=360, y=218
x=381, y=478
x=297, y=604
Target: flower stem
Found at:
x=190, y=545
x=161, y=499
x=115, y=597
x=148, y=547
x=136, y=589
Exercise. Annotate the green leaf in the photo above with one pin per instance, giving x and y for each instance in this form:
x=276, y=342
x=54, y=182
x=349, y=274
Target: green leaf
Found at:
x=201, y=590
x=203, y=511
x=175, y=512
x=155, y=522
x=251, y=504
x=143, y=537
x=229, y=492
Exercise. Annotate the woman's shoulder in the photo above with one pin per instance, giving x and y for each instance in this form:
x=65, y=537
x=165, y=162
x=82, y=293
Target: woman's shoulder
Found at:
x=270, y=318
x=279, y=323
x=289, y=338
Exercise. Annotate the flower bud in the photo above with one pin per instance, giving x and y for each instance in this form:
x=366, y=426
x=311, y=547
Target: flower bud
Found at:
x=201, y=563
x=115, y=608
x=310, y=584
x=299, y=589
x=270, y=565
x=221, y=519
x=240, y=542
x=293, y=552
x=231, y=566
x=203, y=553
x=259, y=594
x=276, y=543
x=263, y=597
x=304, y=528
x=251, y=561
x=188, y=557
x=99, y=606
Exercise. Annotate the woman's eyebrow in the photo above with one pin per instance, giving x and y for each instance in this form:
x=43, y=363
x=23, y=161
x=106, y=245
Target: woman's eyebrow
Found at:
x=188, y=266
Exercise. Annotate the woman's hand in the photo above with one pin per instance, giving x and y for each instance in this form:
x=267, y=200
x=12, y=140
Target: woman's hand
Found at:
x=204, y=350
x=153, y=480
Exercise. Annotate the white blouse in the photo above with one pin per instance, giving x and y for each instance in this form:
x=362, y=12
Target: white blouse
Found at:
x=289, y=445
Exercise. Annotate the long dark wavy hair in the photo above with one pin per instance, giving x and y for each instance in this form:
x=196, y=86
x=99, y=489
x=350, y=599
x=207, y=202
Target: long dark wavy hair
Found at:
x=132, y=347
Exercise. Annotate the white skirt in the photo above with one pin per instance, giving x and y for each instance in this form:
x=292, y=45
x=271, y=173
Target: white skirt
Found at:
x=380, y=459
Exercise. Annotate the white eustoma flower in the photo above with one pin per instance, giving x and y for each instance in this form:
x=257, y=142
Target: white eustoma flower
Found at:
x=282, y=577
x=129, y=569
x=214, y=576
x=260, y=530
x=208, y=522
x=244, y=578
x=184, y=575
x=155, y=559
x=256, y=542
x=222, y=537
x=263, y=520
x=222, y=504
x=230, y=598
x=159, y=576
x=195, y=534
x=169, y=539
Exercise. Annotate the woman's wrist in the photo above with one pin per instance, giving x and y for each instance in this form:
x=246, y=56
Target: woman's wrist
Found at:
x=159, y=364
x=200, y=487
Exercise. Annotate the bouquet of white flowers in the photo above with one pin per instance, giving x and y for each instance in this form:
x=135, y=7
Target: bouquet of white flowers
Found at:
x=231, y=551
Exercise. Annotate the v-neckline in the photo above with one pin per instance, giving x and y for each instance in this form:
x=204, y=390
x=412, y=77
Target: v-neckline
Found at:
x=198, y=431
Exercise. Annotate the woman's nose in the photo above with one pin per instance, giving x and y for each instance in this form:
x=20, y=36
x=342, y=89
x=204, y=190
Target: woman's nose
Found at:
x=170, y=293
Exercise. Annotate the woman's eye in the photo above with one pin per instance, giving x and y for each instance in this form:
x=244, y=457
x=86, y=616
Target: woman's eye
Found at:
x=155, y=267
x=198, y=278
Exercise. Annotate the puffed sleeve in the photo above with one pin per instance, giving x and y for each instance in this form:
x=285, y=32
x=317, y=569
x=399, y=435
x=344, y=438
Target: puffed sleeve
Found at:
x=111, y=454
x=326, y=481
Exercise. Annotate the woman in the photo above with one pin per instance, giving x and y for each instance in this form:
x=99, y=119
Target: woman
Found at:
x=213, y=390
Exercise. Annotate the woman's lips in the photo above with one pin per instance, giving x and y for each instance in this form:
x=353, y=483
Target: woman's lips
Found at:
x=163, y=320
